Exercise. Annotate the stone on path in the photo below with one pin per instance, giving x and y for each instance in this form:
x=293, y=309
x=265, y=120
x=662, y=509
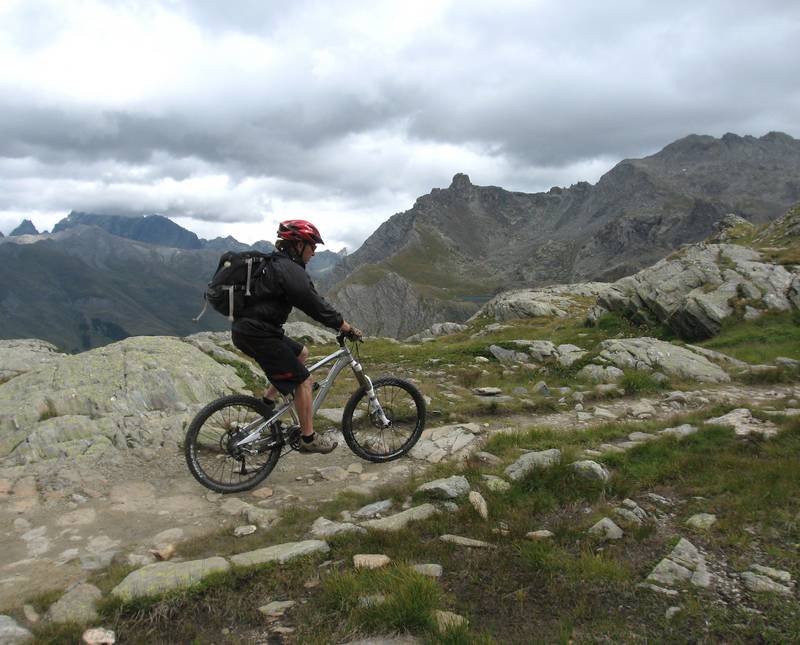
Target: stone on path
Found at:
x=702, y=521
x=371, y=510
x=400, y=520
x=657, y=589
x=679, y=432
x=370, y=560
x=247, y=529
x=606, y=529
x=77, y=605
x=465, y=541
x=333, y=473
x=479, y=504
x=387, y=639
x=280, y=553
x=487, y=391
x=495, y=484
x=276, y=608
x=669, y=573
x=448, y=488
x=542, y=534
x=764, y=584
x=641, y=436
x=11, y=633
x=324, y=528
x=684, y=564
x=591, y=470
x=532, y=461
x=628, y=516
x=165, y=576
x=744, y=423
x=776, y=574
x=446, y=620
x=430, y=570
x=488, y=458
x=99, y=636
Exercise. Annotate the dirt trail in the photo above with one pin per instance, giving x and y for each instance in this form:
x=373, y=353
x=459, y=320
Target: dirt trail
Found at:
x=58, y=524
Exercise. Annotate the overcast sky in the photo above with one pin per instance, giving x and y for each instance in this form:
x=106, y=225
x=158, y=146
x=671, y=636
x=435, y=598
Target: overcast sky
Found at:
x=231, y=116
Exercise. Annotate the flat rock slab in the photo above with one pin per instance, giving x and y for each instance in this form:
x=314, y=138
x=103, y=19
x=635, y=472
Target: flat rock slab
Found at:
x=165, y=576
x=606, y=529
x=387, y=639
x=280, y=553
x=371, y=510
x=591, y=470
x=532, y=461
x=75, y=606
x=400, y=520
x=744, y=423
x=277, y=608
x=764, y=584
x=448, y=488
x=11, y=633
x=325, y=528
x=371, y=560
x=702, y=521
x=430, y=570
x=465, y=541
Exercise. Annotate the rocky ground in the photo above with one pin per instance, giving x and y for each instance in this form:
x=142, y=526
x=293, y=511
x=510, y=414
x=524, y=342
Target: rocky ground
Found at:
x=61, y=522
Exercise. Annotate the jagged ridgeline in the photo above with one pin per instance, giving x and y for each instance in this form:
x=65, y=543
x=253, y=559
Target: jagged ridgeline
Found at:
x=459, y=246
x=99, y=278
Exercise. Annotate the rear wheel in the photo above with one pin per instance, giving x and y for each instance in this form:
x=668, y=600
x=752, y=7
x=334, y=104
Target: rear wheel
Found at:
x=403, y=406
x=211, y=451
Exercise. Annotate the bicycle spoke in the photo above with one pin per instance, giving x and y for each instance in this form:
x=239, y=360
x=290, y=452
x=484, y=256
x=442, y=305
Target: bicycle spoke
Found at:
x=214, y=453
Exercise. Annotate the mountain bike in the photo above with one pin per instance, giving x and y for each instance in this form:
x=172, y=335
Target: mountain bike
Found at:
x=234, y=442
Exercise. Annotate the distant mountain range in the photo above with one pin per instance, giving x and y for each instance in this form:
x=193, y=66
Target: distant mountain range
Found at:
x=458, y=246
x=98, y=278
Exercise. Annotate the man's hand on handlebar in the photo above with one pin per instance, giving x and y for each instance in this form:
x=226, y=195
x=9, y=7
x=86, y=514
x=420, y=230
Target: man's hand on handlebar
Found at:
x=352, y=333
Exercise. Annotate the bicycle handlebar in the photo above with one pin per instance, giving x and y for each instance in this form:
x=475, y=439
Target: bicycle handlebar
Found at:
x=354, y=338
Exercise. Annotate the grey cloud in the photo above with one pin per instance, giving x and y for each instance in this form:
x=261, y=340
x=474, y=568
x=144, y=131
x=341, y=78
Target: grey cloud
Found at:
x=532, y=93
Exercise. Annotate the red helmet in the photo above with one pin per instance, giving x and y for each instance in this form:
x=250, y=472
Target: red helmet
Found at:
x=299, y=230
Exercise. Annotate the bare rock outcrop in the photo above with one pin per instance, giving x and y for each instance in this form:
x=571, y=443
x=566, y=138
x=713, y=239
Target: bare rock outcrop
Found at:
x=137, y=391
x=651, y=354
x=694, y=290
x=556, y=301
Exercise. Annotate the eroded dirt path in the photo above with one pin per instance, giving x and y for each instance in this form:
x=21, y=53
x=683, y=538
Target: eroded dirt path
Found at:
x=58, y=523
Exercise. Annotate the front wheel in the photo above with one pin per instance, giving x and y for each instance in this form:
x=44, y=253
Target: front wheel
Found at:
x=211, y=448
x=363, y=430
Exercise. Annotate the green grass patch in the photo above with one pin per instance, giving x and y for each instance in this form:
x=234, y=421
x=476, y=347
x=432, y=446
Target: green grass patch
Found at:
x=761, y=340
x=638, y=382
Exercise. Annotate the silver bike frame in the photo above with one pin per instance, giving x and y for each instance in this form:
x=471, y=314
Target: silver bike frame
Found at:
x=343, y=357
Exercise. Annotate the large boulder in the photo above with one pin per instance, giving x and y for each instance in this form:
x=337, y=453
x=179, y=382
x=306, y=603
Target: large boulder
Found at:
x=693, y=291
x=650, y=354
x=556, y=301
x=128, y=393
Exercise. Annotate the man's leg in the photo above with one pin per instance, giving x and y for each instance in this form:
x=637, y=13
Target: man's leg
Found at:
x=303, y=404
x=271, y=392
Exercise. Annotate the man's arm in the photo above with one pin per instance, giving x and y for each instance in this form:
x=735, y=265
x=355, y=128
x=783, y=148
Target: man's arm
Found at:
x=301, y=293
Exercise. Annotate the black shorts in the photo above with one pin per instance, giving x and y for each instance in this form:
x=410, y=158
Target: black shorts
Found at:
x=277, y=356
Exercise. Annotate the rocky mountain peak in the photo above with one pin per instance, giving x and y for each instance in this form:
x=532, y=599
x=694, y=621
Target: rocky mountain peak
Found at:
x=25, y=228
x=460, y=182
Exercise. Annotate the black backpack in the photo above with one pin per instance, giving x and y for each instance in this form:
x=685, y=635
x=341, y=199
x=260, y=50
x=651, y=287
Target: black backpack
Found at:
x=231, y=285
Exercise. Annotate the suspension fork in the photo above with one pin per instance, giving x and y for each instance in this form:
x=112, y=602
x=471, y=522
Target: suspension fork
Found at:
x=375, y=409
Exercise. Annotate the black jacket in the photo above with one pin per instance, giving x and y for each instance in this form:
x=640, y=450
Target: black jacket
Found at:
x=283, y=285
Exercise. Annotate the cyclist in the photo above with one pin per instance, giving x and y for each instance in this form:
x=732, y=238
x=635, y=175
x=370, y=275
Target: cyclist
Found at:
x=258, y=329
